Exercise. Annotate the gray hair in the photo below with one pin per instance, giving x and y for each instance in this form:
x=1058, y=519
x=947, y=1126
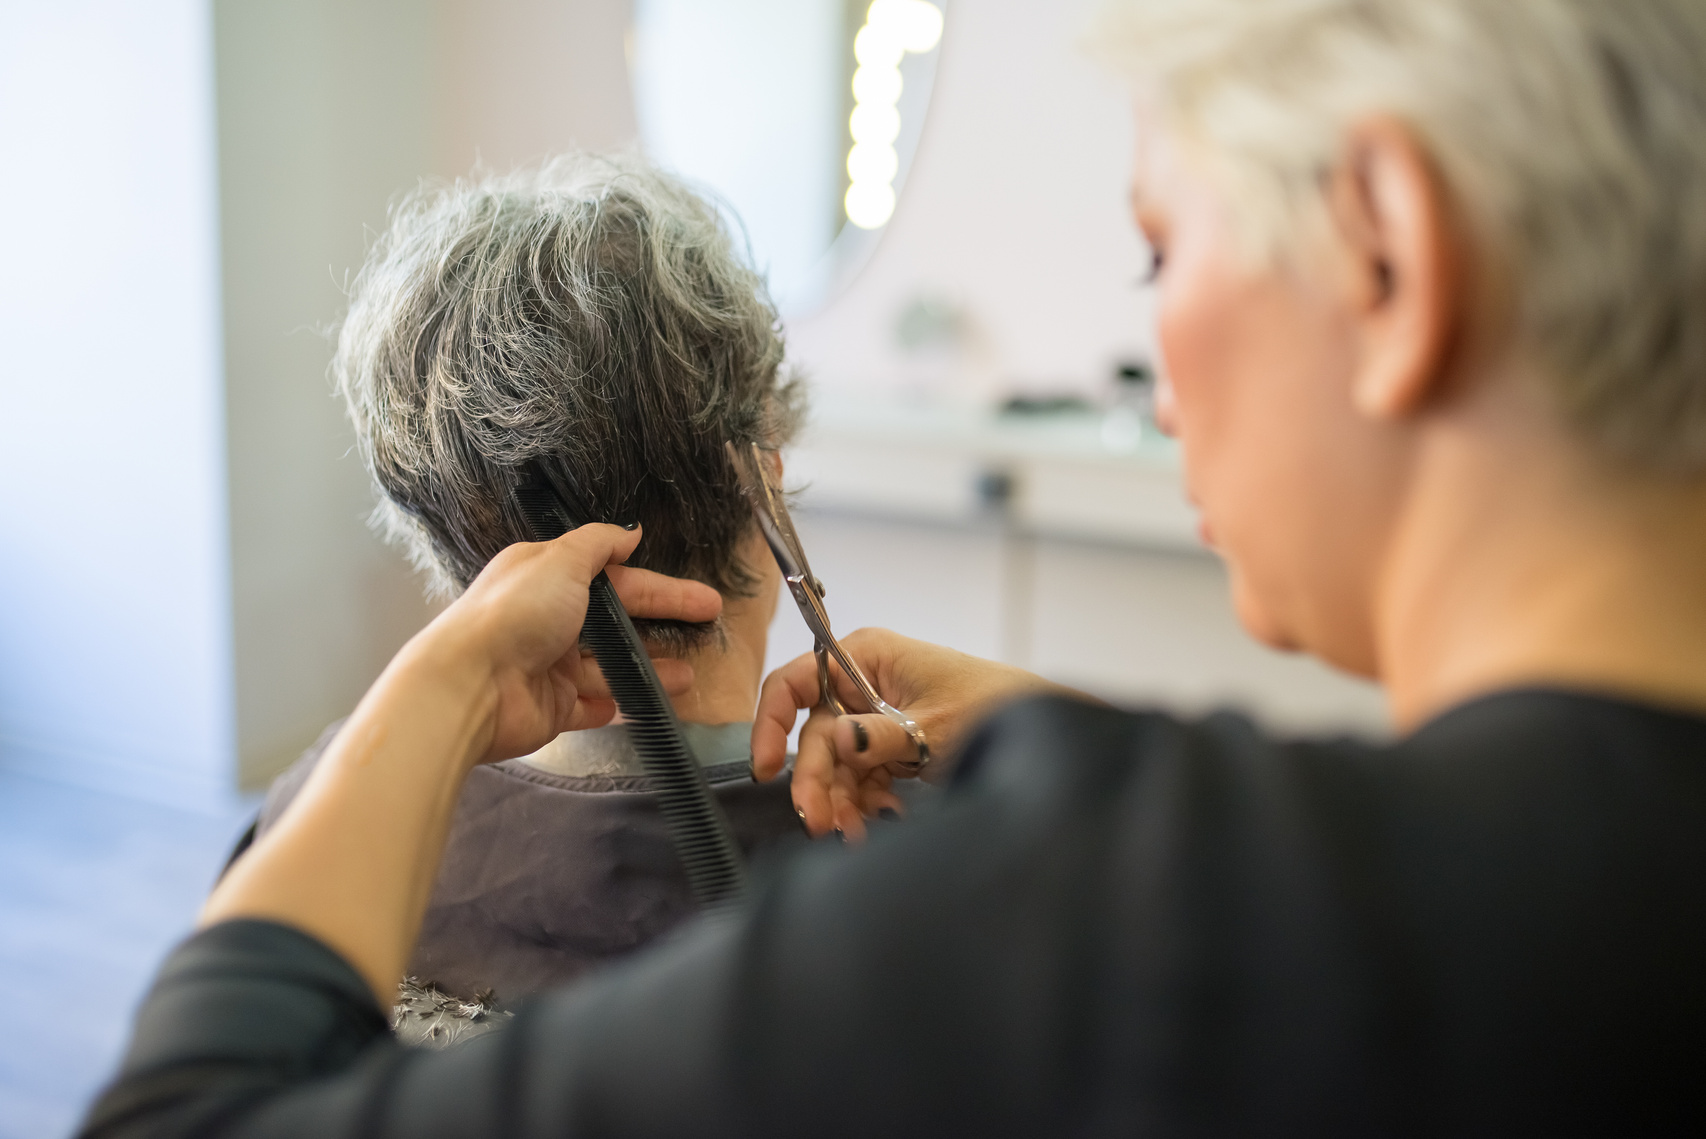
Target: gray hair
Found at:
x=590, y=315
x=1573, y=132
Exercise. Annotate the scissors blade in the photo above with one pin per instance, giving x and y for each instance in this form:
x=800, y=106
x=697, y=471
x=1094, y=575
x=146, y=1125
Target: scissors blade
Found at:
x=762, y=490
x=772, y=514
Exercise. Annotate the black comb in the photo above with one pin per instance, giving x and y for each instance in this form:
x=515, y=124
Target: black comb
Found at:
x=715, y=872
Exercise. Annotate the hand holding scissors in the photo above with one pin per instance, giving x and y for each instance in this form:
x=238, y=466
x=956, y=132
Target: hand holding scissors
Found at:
x=778, y=529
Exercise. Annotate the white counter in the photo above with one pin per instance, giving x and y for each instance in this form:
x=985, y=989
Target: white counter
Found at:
x=1049, y=476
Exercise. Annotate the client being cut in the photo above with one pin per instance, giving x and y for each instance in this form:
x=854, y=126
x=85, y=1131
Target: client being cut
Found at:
x=591, y=316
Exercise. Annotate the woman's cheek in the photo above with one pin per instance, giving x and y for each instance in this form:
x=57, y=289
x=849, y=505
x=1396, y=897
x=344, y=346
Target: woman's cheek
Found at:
x=1187, y=406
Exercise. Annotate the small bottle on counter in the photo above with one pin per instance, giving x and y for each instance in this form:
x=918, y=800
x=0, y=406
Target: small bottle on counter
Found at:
x=1131, y=413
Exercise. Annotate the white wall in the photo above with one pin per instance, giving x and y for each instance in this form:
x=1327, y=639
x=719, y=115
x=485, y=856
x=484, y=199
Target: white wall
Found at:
x=327, y=111
x=1014, y=209
x=519, y=80
x=745, y=97
x=322, y=118
x=113, y=622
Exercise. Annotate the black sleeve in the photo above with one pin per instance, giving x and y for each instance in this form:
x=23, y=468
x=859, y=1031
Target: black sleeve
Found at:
x=239, y=1012
x=971, y=974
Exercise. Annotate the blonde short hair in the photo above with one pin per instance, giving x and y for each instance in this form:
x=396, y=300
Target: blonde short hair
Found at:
x=1573, y=133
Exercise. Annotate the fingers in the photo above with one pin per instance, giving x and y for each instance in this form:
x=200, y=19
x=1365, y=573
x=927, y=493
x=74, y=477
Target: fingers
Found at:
x=873, y=740
x=652, y=595
x=594, y=546
x=785, y=692
x=844, y=802
x=674, y=674
x=814, y=775
x=878, y=800
x=600, y=546
x=589, y=712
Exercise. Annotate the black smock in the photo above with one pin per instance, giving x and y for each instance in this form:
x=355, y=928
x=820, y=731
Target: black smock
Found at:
x=1115, y=923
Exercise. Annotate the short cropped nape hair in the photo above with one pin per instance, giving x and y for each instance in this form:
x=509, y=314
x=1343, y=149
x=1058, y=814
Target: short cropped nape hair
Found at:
x=1571, y=132
x=592, y=315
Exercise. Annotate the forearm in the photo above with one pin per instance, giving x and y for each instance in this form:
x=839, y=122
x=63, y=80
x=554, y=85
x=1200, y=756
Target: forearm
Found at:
x=353, y=861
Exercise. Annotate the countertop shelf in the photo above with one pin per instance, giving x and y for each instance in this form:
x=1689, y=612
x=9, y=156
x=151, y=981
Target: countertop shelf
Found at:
x=1048, y=475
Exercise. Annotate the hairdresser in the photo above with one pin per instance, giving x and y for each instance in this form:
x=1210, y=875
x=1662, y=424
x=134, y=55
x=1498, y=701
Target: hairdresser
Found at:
x=1432, y=296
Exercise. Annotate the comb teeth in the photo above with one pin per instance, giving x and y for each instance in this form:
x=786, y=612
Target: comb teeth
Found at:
x=696, y=822
x=540, y=510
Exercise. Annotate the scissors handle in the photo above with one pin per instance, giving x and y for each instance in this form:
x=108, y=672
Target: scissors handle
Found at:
x=826, y=646
x=825, y=684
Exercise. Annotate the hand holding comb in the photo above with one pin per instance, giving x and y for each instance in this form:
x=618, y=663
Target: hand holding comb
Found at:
x=715, y=871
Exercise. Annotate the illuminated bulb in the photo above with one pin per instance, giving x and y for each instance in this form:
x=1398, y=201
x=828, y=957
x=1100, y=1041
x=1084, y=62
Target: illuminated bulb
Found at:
x=873, y=122
x=915, y=24
x=872, y=162
x=869, y=204
x=923, y=29
x=892, y=28
x=876, y=46
x=877, y=85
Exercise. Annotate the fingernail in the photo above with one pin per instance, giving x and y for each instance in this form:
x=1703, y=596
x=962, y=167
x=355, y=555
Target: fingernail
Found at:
x=752, y=770
x=800, y=811
x=842, y=835
x=630, y=525
x=861, y=738
x=889, y=815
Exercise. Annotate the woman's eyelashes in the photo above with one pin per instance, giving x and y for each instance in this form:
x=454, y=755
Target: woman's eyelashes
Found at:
x=1152, y=272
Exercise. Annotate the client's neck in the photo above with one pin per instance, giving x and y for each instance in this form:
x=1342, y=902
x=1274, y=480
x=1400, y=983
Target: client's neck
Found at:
x=727, y=675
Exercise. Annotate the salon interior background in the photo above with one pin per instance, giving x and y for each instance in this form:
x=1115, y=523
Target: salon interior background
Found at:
x=188, y=592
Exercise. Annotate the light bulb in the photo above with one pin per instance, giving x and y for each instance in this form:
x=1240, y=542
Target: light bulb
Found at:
x=881, y=85
x=890, y=15
x=922, y=26
x=915, y=24
x=878, y=46
x=872, y=122
x=869, y=204
x=872, y=162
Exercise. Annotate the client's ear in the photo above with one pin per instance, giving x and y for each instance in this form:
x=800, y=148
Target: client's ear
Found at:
x=1393, y=218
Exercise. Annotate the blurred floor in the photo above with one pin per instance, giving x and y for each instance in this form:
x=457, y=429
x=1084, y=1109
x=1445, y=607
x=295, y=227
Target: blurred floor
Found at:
x=94, y=889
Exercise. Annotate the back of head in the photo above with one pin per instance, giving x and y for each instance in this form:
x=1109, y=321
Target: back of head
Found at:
x=591, y=315
x=1571, y=132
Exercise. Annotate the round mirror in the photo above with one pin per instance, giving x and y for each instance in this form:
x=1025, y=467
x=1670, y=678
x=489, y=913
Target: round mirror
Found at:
x=800, y=115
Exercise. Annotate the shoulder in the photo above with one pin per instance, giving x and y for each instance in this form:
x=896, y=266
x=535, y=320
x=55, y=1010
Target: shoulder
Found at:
x=1059, y=755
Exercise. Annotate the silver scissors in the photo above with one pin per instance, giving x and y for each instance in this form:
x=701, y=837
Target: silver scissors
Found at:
x=772, y=514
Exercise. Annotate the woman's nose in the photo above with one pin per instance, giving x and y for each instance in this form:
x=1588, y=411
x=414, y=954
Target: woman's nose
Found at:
x=1166, y=407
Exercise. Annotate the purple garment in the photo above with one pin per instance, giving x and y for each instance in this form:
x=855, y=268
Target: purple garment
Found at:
x=546, y=875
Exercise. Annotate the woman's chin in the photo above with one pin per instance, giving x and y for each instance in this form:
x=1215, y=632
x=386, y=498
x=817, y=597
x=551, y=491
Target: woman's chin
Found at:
x=1258, y=619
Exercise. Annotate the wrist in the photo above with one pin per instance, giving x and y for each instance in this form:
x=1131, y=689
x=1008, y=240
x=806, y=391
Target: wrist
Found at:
x=445, y=670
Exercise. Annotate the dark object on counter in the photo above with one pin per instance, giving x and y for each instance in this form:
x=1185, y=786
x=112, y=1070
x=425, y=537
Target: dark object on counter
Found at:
x=1115, y=924
x=1134, y=374
x=995, y=489
x=1028, y=406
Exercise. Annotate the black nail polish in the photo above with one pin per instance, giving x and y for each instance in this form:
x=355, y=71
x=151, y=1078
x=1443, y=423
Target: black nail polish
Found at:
x=842, y=835
x=889, y=815
x=800, y=811
x=861, y=738
x=630, y=525
x=752, y=770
